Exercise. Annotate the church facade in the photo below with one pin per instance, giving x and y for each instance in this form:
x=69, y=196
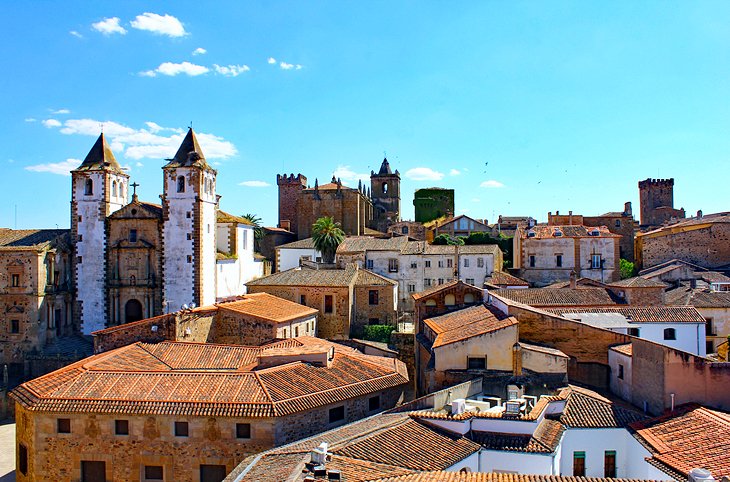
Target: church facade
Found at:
x=356, y=209
x=134, y=259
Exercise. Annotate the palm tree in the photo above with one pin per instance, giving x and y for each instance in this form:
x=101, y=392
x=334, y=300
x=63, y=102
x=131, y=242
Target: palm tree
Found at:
x=327, y=235
x=258, y=231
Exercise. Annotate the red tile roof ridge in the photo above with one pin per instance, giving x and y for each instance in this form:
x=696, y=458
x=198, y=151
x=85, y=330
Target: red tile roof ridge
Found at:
x=125, y=326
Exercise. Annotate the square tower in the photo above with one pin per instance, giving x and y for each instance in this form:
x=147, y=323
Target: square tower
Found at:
x=385, y=195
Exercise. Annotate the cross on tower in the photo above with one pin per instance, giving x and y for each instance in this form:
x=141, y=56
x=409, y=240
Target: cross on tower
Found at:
x=134, y=188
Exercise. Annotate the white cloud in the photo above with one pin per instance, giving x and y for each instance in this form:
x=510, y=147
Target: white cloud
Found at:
x=61, y=111
x=424, y=174
x=231, y=70
x=159, y=24
x=454, y=172
x=138, y=164
x=62, y=168
x=172, y=69
x=109, y=26
x=271, y=60
x=30, y=119
x=200, y=51
x=51, y=123
x=287, y=66
x=347, y=174
x=76, y=34
x=149, y=142
x=254, y=184
x=491, y=184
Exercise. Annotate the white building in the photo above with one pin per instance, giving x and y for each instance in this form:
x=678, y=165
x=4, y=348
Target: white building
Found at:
x=291, y=255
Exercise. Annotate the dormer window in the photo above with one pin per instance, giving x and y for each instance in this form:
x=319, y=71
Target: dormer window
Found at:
x=594, y=232
x=89, y=187
x=181, y=184
x=531, y=234
x=557, y=233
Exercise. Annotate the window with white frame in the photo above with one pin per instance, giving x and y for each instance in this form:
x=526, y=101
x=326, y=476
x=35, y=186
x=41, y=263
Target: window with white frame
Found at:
x=480, y=262
x=427, y=263
x=466, y=262
x=369, y=264
x=595, y=261
x=392, y=265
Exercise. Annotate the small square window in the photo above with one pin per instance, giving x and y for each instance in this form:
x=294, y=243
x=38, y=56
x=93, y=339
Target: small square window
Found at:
x=559, y=260
x=427, y=263
x=190, y=259
x=480, y=262
x=392, y=265
x=414, y=265
x=154, y=472
x=633, y=332
x=80, y=218
x=22, y=459
x=441, y=281
x=80, y=237
x=189, y=236
x=369, y=264
x=466, y=262
x=532, y=260
x=411, y=288
x=121, y=427
x=618, y=223
x=374, y=403
x=181, y=429
x=470, y=281
x=188, y=214
x=476, y=363
x=243, y=430
x=337, y=414
x=79, y=259
x=620, y=372
x=63, y=425
x=427, y=282
x=441, y=263
x=449, y=263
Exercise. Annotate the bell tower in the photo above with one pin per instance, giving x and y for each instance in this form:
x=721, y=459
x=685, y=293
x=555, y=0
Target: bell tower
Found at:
x=189, y=213
x=385, y=195
x=98, y=188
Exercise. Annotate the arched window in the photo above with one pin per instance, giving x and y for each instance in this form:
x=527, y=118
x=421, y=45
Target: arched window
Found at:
x=385, y=188
x=449, y=300
x=469, y=298
x=114, y=188
x=181, y=184
x=670, y=334
x=430, y=302
x=121, y=189
x=89, y=187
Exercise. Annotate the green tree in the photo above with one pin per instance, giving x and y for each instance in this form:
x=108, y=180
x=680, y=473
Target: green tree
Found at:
x=327, y=235
x=627, y=268
x=258, y=231
x=444, y=239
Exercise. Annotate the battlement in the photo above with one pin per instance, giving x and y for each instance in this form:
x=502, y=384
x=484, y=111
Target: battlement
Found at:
x=656, y=183
x=284, y=179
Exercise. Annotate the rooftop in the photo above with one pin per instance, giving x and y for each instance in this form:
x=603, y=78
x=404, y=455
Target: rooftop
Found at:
x=587, y=409
x=495, y=477
x=322, y=277
x=306, y=243
x=502, y=278
x=166, y=378
x=697, y=222
x=35, y=239
x=224, y=217
x=189, y=153
x=571, y=231
x=626, y=349
x=268, y=307
x=100, y=157
x=643, y=314
x=698, y=297
x=443, y=287
x=544, y=297
x=638, y=282
x=467, y=323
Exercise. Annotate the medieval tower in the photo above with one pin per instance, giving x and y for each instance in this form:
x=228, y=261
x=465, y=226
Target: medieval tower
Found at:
x=290, y=189
x=656, y=202
x=98, y=188
x=189, y=211
x=385, y=195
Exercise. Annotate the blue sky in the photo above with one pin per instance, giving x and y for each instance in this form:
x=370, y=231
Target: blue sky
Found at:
x=522, y=107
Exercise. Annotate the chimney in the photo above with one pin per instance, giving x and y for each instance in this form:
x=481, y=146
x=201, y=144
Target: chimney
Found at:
x=319, y=455
x=570, y=218
x=573, y=283
x=699, y=214
x=700, y=475
x=627, y=208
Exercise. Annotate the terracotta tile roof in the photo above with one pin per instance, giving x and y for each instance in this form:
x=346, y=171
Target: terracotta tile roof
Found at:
x=411, y=445
x=587, y=409
x=437, y=288
x=723, y=217
x=572, y=231
x=502, y=278
x=100, y=157
x=224, y=217
x=202, y=379
x=712, y=277
x=697, y=297
x=533, y=414
x=543, y=297
x=495, y=477
x=268, y=307
x=579, y=283
x=478, y=249
x=643, y=314
x=308, y=277
x=543, y=349
x=627, y=349
x=690, y=436
x=357, y=244
x=368, y=278
x=36, y=239
x=306, y=243
x=545, y=439
x=467, y=323
x=189, y=154
x=638, y=282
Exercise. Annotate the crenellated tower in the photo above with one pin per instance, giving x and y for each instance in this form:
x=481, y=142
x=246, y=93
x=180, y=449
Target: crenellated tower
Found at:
x=385, y=195
x=98, y=188
x=656, y=202
x=290, y=189
x=189, y=214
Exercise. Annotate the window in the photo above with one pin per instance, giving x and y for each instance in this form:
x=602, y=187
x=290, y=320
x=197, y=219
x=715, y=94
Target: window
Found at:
x=369, y=264
x=302, y=299
x=286, y=334
x=154, y=472
x=80, y=218
x=633, y=332
x=618, y=223
x=243, y=430
x=189, y=236
x=181, y=184
x=80, y=237
x=579, y=464
x=89, y=187
x=441, y=281
x=620, y=372
x=373, y=321
x=559, y=260
x=414, y=265
x=337, y=414
x=427, y=263
x=63, y=425
x=114, y=188
x=14, y=326
x=466, y=262
x=132, y=235
x=373, y=297
x=441, y=263
x=426, y=281
x=476, y=363
x=374, y=403
x=532, y=260
x=449, y=263
x=296, y=331
x=121, y=427
x=480, y=262
x=93, y=471
x=212, y=473
x=670, y=334
x=79, y=259
x=595, y=261
x=15, y=280
x=468, y=298
x=470, y=281
x=404, y=230
x=609, y=463
x=411, y=288
x=709, y=328
x=449, y=300
x=392, y=265
x=190, y=258
x=181, y=429
x=328, y=308
x=188, y=214
x=23, y=459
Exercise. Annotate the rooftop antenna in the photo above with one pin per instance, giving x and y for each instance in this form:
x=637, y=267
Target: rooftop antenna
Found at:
x=191, y=125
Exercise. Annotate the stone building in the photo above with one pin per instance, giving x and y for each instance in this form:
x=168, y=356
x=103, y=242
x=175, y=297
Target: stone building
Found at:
x=189, y=412
x=412, y=229
x=35, y=293
x=621, y=223
x=656, y=201
x=461, y=226
x=123, y=250
x=433, y=203
x=358, y=210
x=703, y=240
x=546, y=254
x=347, y=299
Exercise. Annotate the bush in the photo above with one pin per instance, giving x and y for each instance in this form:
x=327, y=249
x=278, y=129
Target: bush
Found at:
x=627, y=268
x=380, y=333
x=444, y=239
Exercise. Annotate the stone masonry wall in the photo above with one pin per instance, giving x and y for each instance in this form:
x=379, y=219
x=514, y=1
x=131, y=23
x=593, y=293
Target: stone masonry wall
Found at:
x=384, y=311
x=708, y=246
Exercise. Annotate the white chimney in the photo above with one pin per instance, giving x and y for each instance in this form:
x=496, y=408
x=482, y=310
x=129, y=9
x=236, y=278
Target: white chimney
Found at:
x=319, y=455
x=458, y=406
x=700, y=475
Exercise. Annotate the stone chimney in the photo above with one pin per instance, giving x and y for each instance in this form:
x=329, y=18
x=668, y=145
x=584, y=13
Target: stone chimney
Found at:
x=573, y=281
x=627, y=208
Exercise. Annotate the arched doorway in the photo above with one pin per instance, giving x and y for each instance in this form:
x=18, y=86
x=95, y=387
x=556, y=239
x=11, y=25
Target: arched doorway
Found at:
x=133, y=311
